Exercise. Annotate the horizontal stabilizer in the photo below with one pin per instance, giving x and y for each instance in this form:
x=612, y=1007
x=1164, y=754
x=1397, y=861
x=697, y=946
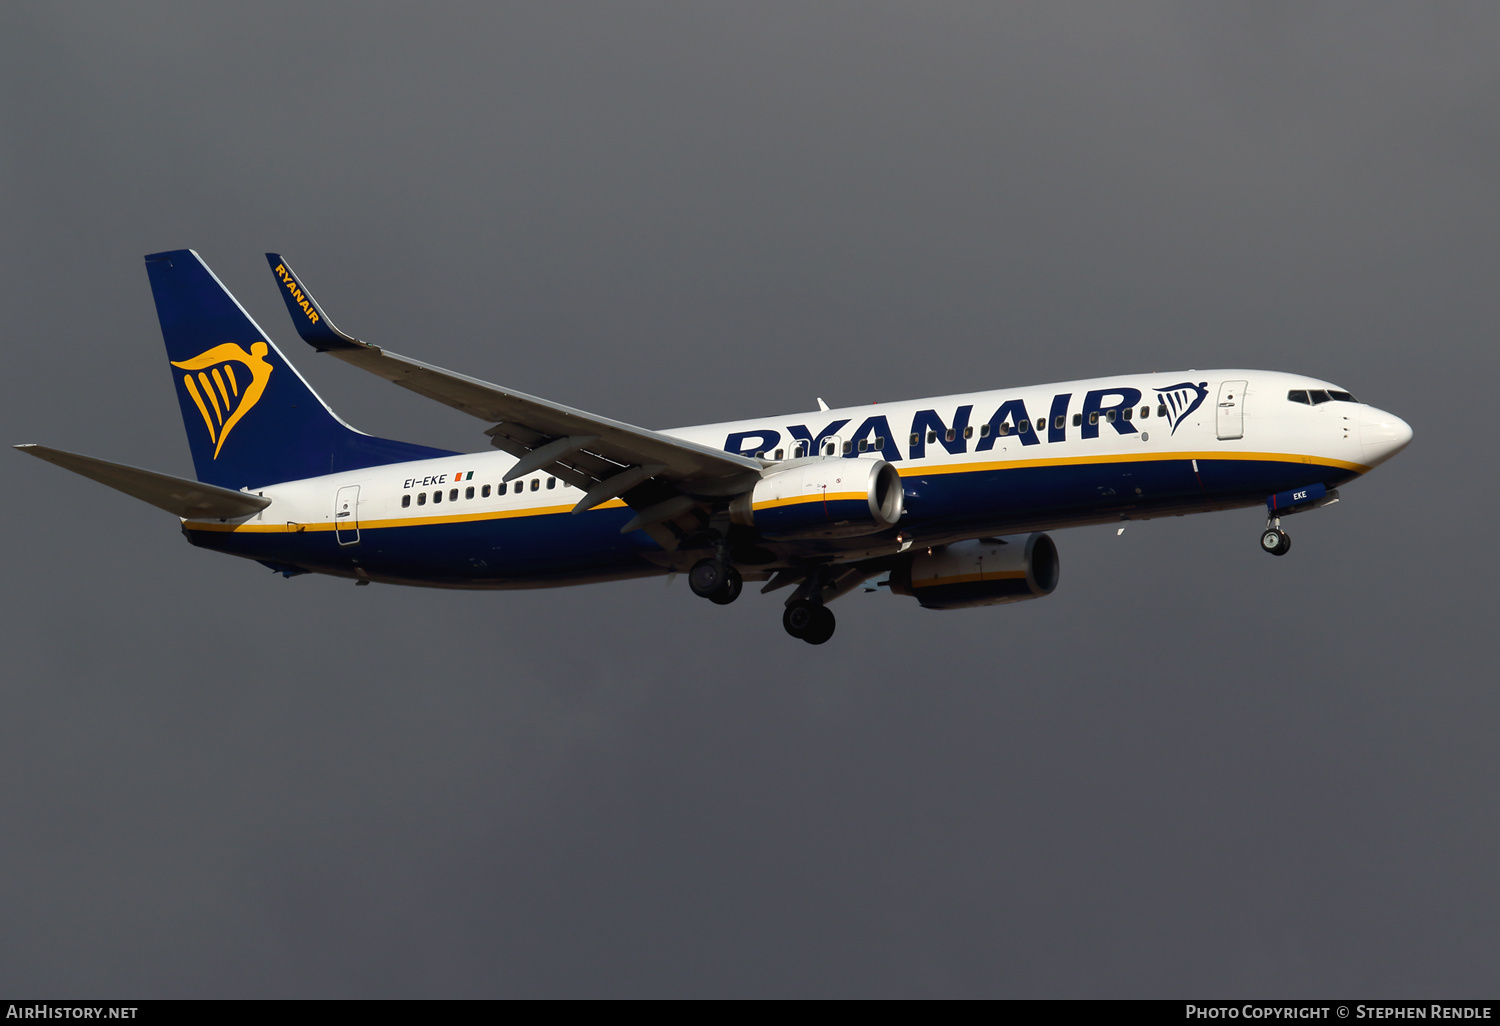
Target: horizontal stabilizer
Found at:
x=191, y=500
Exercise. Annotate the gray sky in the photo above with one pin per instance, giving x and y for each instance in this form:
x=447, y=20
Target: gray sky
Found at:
x=1192, y=771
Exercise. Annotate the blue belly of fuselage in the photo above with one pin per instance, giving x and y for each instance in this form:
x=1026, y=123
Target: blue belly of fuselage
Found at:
x=558, y=548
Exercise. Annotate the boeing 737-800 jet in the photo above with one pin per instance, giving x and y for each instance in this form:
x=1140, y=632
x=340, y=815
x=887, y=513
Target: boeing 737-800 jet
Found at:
x=943, y=500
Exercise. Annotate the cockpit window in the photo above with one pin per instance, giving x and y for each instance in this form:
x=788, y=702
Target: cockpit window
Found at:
x=1315, y=396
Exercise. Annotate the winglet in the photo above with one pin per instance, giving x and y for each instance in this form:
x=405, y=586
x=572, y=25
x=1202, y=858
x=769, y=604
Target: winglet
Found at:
x=308, y=317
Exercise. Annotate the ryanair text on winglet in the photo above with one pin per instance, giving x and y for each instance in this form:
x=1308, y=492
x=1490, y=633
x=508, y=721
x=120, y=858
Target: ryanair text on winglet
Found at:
x=296, y=291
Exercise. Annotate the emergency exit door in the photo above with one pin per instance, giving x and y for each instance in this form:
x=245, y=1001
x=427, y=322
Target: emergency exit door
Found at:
x=346, y=515
x=1231, y=419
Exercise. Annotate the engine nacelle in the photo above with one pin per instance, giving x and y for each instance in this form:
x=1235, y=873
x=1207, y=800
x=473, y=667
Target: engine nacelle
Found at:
x=985, y=572
x=823, y=498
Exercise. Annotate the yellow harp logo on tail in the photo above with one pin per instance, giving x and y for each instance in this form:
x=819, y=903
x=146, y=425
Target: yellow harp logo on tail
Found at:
x=214, y=385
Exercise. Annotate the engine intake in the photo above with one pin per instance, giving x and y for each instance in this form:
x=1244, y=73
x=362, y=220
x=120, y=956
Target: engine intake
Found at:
x=984, y=572
x=823, y=498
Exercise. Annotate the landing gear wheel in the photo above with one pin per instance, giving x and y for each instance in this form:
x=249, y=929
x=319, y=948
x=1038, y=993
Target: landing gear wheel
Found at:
x=733, y=585
x=1276, y=541
x=707, y=578
x=809, y=621
x=821, y=629
x=799, y=616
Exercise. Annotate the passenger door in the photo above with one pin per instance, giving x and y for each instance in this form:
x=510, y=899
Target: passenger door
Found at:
x=1231, y=418
x=346, y=515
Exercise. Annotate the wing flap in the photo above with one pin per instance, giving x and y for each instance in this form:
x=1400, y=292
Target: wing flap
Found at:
x=191, y=500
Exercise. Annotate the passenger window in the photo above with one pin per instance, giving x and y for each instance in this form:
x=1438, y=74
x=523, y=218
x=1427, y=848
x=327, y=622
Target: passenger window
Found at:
x=1058, y=423
x=1161, y=409
x=1317, y=395
x=1005, y=429
x=880, y=442
x=948, y=435
x=1129, y=412
x=437, y=496
x=1023, y=426
x=984, y=431
x=1145, y=412
x=453, y=495
x=779, y=452
x=1077, y=419
x=1094, y=417
x=968, y=432
x=1297, y=395
x=848, y=448
x=421, y=498
x=863, y=445
x=536, y=483
x=469, y=492
x=484, y=493
x=761, y=454
x=502, y=488
x=801, y=449
x=931, y=437
x=551, y=482
x=829, y=450
x=406, y=500
x=915, y=438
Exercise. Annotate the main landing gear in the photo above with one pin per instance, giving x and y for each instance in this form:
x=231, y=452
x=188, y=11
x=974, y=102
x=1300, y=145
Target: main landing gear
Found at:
x=806, y=618
x=811, y=621
x=1274, y=540
x=716, y=581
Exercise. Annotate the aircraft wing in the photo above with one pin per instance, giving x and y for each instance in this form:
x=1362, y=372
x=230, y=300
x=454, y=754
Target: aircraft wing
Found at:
x=606, y=458
x=191, y=500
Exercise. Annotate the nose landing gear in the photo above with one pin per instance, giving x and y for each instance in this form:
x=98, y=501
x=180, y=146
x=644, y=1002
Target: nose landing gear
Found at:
x=1274, y=540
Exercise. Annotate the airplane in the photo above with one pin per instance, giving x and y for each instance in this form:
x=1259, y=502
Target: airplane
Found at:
x=945, y=500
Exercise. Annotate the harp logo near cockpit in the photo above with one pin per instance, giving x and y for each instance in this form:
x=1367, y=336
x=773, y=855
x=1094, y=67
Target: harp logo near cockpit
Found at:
x=1181, y=400
x=223, y=393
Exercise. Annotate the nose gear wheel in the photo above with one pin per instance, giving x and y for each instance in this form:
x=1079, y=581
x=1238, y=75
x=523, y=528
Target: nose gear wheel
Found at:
x=1274, y=540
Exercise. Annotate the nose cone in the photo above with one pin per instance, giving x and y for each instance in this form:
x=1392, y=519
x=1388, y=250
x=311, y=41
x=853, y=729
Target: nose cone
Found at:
x=1382, y=435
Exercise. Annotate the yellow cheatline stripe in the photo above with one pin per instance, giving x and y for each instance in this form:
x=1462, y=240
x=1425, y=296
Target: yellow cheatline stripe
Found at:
x=812, y=497
x=219, y=380
x=229, y=371
x=997, y=575
x=208, y=391
x=187, y=379
x=453, y=518
x=1143, y=457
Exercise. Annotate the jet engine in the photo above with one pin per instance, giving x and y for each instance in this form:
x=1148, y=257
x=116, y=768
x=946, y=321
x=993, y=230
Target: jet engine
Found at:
x=983, y=572
x=823, y=498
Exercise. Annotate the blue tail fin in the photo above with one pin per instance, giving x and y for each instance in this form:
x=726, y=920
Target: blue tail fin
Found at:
x=251, y=419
